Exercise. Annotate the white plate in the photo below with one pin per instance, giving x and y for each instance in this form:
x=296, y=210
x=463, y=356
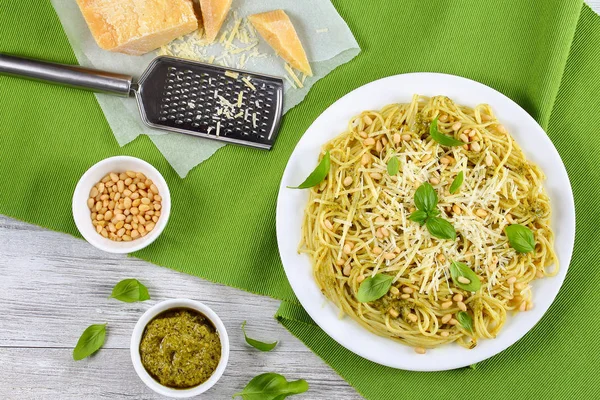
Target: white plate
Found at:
x=291, y=203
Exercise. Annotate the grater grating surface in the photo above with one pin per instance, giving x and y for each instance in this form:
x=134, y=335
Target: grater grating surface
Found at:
x=200, y=100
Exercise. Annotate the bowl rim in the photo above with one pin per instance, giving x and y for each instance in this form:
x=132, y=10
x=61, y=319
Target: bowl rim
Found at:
x=106, y=244
x=136, y=338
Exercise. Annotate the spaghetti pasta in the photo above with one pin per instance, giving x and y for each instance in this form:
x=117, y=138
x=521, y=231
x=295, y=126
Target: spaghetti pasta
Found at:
x=356, y=223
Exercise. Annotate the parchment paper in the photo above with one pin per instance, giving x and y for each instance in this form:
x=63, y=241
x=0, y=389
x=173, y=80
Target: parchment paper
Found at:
x=326, y=37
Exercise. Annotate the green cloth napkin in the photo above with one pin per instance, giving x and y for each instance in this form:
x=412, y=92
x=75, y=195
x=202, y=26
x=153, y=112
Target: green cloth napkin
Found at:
x=544, y=55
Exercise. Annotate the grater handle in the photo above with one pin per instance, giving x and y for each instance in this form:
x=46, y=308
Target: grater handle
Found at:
x=66, y=75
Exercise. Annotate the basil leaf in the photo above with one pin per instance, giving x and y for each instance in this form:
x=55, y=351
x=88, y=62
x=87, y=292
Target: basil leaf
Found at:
x=457, y=182
x=393, y=166
x=271, y=386
x=317, y=175
x=458, y=269
x=374, y=287
x=418, y=216
x=441, y=138
x=130, y=291
x=440, y=228
x=521, y=238
x=465, y=320
x=262, y=346
x=426, y=198
x=90, y=341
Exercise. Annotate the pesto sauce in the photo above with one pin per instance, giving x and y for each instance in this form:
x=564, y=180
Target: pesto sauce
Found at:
x=180, y=348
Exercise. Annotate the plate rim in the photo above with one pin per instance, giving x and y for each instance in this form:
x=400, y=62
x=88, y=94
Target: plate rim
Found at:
x=560, y=277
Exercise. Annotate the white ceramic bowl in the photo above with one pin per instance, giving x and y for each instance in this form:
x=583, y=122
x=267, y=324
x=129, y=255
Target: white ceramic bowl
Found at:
x=136, y=338
x=81, y=212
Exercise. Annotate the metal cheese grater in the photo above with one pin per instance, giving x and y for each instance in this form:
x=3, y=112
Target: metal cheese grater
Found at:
x=179, y=95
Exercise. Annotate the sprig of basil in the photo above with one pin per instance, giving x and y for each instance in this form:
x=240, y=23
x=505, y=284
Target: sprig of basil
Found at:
x=457, y=182
x=262, y=346
x=426, y=198
x=419, y=216
x=130, y=291
x=317, y=176
x=90, y=341
x=374, y=287
x=465, y=320
x=441, y=138
x=393, y=166
x=271, y=386
x=520, y=238
x=458, y=269
x=440, y=228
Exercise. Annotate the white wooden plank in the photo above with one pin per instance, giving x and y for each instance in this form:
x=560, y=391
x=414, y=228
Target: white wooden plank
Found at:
x=52, y=286
x=52, y=374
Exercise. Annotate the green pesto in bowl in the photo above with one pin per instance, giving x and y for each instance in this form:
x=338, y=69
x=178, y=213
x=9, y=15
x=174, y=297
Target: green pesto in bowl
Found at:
x=180, y=348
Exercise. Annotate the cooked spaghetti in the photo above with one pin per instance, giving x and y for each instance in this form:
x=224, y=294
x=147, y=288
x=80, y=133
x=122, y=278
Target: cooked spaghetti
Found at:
x=356, y=223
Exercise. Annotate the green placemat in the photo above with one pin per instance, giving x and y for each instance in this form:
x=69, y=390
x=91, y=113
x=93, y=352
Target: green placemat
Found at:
x=544, y=55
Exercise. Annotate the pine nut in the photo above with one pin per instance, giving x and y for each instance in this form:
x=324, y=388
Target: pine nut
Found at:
x=347, y=181
x=446, y=318
x=339, y=262
x=136, y=202
x=346, y=271
x=511, y=280
x=407, y=290
x=363, y=134
x=480, y=212
x=464, y=138
x=367, y=120
x=98, y=228
x=456, y=126
x=380, y=219
x=420, y=350
x=475, y=146
x=539, y=274
x=360, y=278
x=396, y=138
x=378, y=146
x=523, y=306
x=441, y=258
x=384, y=231
x=529, y=306
x=444, y=334
x=443, y=117
x=453, y=321
x=347, y=249
x=369, y=142
x=394, y=290
x=90, y=203
x=501, y=129
x=446, y=304
x=519, y=286
x=144, y=207
x=365, y=159
x=472, y=133
x=155, y=219
x=456, y=209
x=445, y=160
x=434, y=181
x=463, y=280
x=405, y=296
x=389, y=256
x=406, y=137
x=457, y=297
x=375, y=175
x=489, y=160
x=394, y=313
x=462, y=306
x=412, y=317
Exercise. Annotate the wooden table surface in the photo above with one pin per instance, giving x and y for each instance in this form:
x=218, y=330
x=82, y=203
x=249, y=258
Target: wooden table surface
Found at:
x=52, y=286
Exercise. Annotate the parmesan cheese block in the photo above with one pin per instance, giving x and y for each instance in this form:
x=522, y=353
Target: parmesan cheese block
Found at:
x=137, y=26
x=277, y=29
x=213, y=16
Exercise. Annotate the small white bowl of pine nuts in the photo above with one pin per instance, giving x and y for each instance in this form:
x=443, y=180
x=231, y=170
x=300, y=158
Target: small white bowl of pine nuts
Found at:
x=121, y=204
